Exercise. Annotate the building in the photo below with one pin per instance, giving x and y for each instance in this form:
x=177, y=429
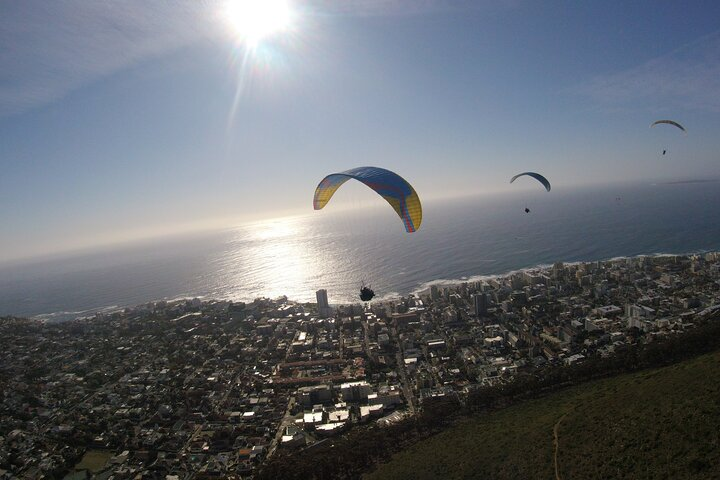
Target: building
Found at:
x=322, y=298
x=480, y=302
x=434, y=293
x=355, y=391
x=590, y=325
x=313, y=395
x=402, y=320
x=292, y=437
x=608, y=311
x=322, y=303
x=386, y=398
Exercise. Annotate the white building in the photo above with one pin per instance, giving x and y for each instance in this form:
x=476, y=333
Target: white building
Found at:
x=355, y=391
x=370, y=411
x=386, y=399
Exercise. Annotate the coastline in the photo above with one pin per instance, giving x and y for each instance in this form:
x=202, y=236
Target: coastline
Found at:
x=465, y=241
x=425, y=287
x=422, y=289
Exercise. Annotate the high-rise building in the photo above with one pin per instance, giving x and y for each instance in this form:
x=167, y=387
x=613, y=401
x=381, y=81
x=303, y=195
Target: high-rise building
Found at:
x=322, y=303
x=322, y=300
x=355, y=391
x=434, y=294
x=480, y=302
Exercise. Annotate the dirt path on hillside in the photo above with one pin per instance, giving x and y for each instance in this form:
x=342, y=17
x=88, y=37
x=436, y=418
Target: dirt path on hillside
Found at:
x=556, y=444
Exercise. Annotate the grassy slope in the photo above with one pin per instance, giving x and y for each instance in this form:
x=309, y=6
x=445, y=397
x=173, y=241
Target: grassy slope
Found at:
x=662, y=423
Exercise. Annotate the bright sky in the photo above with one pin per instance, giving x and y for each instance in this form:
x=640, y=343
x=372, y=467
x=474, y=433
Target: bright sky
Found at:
x=126, y=119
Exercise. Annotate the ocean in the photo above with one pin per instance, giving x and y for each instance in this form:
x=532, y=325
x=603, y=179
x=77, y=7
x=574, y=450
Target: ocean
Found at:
x=339, y=249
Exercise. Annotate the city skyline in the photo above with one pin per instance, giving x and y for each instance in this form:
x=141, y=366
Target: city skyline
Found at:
x=221, y=387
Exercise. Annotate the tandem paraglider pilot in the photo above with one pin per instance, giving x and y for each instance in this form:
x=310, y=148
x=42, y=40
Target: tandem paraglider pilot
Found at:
x=366, y=294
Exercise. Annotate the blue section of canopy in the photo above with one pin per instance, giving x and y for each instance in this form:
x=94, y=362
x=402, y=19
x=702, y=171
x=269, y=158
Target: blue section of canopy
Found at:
x=536, y=176
x=391, y=186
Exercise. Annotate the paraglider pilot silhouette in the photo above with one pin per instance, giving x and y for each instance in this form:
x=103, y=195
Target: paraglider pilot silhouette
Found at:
x=366, y=293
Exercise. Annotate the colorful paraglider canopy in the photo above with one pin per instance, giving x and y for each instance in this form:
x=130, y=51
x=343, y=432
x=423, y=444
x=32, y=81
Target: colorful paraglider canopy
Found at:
x=669, y=122
x=389, y=185
x=536, y=176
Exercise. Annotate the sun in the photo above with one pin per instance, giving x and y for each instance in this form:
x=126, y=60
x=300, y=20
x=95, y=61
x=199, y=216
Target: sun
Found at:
x=254, y=20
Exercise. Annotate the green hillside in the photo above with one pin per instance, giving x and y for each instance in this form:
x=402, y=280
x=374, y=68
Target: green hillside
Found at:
x=662, y=423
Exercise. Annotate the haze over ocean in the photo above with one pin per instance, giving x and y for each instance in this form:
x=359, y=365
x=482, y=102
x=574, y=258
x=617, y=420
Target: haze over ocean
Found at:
x=337, y=250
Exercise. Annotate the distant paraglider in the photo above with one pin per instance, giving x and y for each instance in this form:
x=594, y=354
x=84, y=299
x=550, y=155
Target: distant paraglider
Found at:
x=537, y=177
x=669, y=122
x=389, y=185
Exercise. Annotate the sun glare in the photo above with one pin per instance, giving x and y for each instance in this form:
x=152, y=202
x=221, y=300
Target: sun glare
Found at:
x=254, y=20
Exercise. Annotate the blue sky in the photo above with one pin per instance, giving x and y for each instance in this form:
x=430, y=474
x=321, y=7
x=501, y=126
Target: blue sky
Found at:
x=116, y=118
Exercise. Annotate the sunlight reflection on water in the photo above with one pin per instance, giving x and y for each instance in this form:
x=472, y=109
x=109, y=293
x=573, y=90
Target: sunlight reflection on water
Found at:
x=295, y=257
x=338, y=250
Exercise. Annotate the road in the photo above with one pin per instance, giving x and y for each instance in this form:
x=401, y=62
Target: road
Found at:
x=287, y=419
x=407, y=390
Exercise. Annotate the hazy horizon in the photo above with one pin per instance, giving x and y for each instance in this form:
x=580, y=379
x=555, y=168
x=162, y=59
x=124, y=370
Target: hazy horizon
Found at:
x=340, y=248
x=346, y=202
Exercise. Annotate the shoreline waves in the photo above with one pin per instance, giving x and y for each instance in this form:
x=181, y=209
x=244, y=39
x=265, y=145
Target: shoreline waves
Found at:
x=422, y=289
